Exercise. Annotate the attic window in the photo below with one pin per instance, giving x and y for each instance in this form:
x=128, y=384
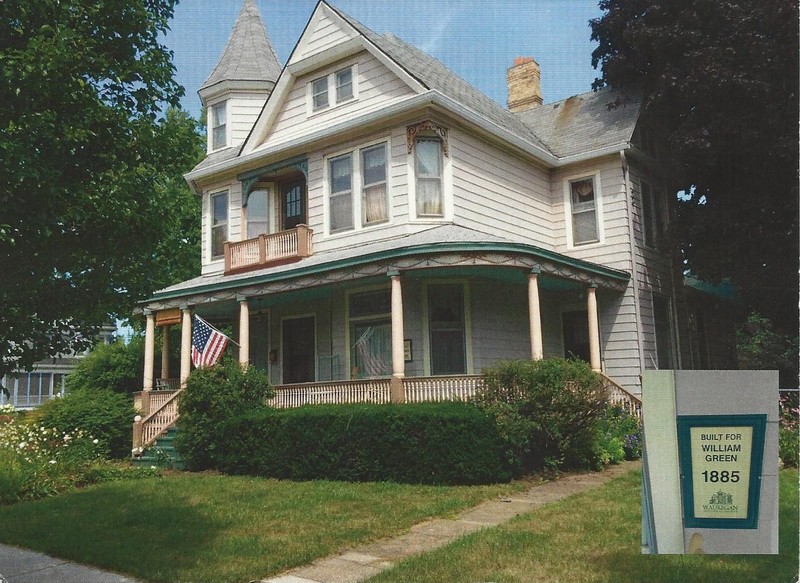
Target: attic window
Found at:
x=333, y=89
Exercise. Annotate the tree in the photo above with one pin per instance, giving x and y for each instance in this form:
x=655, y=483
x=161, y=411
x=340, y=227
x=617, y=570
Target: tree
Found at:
x=719, y=81
x=94, y=213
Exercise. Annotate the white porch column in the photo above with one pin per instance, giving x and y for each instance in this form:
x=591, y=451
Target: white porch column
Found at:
x=149, y=350
x=165, y=351
x=244, y=332
x=535, y=315
x=594, y=328
x=398, y=358
x=186, y=344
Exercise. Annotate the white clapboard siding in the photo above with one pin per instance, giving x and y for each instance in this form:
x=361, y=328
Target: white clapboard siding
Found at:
x=377, y=89
x=496, y=192
x=324, y=31
x=500, y=327
x=243, y=111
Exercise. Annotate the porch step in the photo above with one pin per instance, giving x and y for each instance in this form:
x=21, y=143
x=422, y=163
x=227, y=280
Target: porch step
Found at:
x=161, y=453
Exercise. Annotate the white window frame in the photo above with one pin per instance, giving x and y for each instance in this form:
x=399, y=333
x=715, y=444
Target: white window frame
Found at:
x=332, y=90
x=213, y=126
x=426, y=331
x=210, y=246
x=357, y=187
x=341, y=194
x=349, y=340
x=598, y=209
x=447, y=184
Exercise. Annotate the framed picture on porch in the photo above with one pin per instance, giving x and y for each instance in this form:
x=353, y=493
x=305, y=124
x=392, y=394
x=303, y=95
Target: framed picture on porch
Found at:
x=408, y=352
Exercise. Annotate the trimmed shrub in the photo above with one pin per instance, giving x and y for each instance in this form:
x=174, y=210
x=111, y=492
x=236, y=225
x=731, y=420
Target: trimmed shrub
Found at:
x=421, y=443
x=114, y=367
x=212, y=396
x=103, y=414
x=548, y=411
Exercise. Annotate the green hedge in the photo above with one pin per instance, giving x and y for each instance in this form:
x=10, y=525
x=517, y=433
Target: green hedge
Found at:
x=426, y=443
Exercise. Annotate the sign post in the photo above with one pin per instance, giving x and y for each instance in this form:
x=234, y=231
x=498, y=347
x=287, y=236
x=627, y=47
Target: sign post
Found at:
x=710, y=463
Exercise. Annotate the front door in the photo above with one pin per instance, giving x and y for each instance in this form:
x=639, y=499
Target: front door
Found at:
x=294, y=206
x=576, y=334
x=299, y=342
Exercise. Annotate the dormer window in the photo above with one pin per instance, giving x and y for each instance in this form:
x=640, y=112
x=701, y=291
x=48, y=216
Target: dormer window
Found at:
x=333, y=90
x=219, y=125
x=319, y=93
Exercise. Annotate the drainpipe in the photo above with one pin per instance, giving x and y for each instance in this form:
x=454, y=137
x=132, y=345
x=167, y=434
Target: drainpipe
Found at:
x=634, y=263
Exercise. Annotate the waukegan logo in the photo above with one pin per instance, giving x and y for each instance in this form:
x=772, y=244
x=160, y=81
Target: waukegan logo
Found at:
x=721, y=502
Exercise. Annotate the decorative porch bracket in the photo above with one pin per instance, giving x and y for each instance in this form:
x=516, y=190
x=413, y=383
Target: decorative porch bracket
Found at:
x=249, y=178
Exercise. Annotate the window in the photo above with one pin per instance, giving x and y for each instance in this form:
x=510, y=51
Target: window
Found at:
x=257, y=214
x=344, y=85
x=447, y=329
x=219, y=224
x=652, y=218
x=219, y=131
x=584, y=211
x=428, y=167
x=370, y=333
x=333, y=89
x=319, y=93
x=358, y=187
x=341, y=198
x=373, y=176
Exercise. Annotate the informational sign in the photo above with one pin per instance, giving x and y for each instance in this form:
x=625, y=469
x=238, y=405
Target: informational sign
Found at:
x=720, y=459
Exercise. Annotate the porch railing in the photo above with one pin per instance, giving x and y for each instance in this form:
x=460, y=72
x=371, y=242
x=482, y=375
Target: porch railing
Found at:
x=163, y=415
x=268, y=249
x=622, y=398
x=447, y=388
x=358, y=391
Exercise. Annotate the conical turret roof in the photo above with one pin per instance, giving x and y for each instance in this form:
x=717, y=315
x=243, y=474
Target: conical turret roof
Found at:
x=248, y=56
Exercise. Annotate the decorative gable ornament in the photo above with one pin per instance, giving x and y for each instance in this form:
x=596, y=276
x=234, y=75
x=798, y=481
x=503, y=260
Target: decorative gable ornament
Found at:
x=426, y=126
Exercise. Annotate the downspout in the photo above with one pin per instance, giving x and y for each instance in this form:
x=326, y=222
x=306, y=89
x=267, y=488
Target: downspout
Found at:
x=634, y=263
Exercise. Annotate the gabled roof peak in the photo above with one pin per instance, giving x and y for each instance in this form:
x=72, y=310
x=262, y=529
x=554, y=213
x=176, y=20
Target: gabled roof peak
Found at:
x=248, y=57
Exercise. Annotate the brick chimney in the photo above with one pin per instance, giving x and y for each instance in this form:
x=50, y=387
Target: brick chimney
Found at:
x=524, y=85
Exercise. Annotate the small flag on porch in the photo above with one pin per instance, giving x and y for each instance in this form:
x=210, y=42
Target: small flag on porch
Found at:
x=208, y=343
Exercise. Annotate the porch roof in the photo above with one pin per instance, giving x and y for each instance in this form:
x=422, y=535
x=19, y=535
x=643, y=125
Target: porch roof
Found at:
x=452, y=245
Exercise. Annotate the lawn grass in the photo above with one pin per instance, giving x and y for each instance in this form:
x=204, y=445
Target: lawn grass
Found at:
x=203, y=527
x=596, y=537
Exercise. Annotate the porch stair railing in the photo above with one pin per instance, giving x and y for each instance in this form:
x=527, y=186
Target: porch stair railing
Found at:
x=622, y=398
x=162, y=416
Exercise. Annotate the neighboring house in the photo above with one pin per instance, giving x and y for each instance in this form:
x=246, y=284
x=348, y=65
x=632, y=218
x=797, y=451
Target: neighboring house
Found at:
x=368, y=214
x=29, y=389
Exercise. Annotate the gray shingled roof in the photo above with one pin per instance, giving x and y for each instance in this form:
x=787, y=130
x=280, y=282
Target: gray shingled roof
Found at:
x=249, y=55
x=435, y=75
x=584, y=123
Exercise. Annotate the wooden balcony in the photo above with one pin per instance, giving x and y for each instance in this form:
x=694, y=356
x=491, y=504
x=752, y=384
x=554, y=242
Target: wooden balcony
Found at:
x=266, y=250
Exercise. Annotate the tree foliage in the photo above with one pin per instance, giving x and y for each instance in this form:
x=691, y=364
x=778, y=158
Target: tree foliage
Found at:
x=720, y=87
x=94, y=213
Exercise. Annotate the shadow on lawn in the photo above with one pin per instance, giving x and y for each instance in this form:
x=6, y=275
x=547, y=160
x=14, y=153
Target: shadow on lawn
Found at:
x=124, y=529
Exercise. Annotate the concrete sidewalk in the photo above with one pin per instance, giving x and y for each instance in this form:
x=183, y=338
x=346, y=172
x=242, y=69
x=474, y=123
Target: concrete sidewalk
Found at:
x=368, y=560
x=24, y=566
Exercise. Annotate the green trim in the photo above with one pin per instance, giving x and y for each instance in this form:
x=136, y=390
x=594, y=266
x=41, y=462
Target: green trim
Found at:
x=396, y=253
x=249, y=178
x=685, y=424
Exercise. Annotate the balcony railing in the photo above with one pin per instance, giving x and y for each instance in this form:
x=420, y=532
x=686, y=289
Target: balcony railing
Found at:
x=265, y=250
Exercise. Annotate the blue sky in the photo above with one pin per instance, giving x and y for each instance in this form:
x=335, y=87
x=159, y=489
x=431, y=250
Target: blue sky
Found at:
x=477, y=39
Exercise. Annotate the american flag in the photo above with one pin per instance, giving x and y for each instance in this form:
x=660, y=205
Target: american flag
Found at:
x=208, y=343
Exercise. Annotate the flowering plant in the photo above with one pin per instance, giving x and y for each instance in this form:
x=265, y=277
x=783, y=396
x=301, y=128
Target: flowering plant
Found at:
x=38, y=461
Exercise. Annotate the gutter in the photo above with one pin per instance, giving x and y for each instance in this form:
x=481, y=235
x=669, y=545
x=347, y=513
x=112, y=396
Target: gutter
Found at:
x=598, y=270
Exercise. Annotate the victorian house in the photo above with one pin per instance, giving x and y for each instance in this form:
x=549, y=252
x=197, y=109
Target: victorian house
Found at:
x=376, y=228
